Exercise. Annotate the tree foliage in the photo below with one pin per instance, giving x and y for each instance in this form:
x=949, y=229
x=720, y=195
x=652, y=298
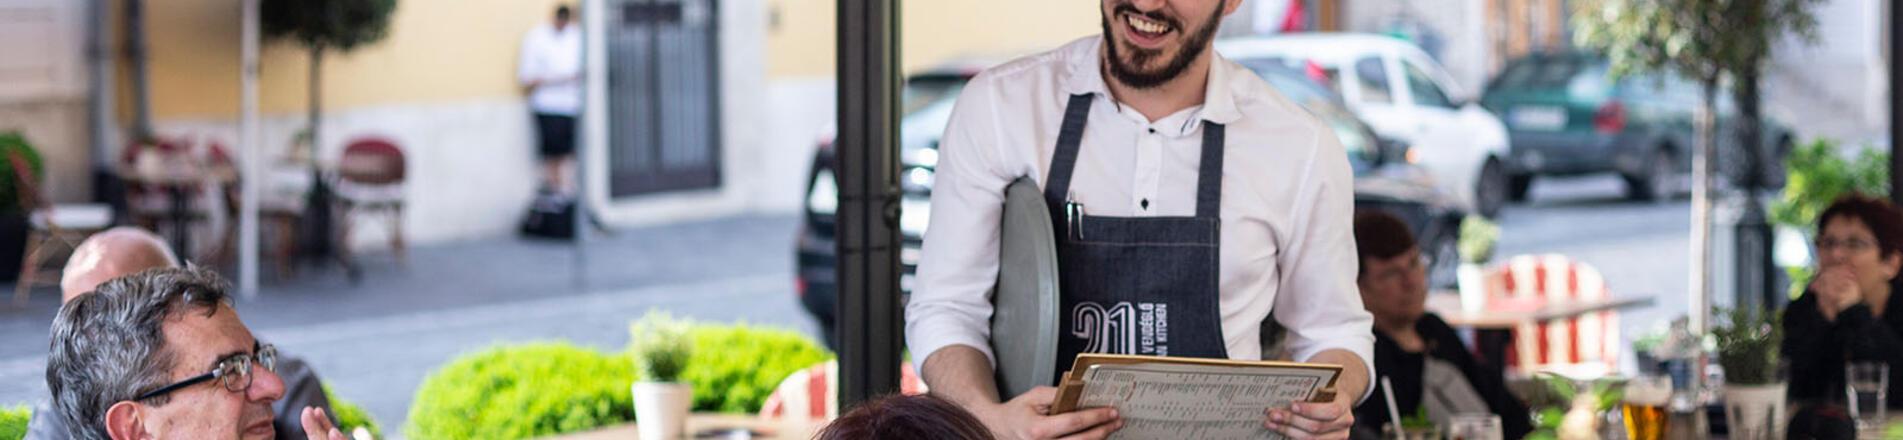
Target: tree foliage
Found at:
x=341, y=25
x=1701, y=39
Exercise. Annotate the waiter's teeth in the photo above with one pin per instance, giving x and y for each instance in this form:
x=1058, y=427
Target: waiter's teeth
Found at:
x=1146, y=26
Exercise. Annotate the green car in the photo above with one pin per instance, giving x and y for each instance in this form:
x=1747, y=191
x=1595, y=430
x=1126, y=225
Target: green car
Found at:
x=1565, y=117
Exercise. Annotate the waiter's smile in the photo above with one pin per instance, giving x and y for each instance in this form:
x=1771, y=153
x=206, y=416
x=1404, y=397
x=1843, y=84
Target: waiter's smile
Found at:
x=1146, y=32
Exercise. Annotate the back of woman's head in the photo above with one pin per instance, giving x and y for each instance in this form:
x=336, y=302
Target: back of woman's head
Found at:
x=907, y=417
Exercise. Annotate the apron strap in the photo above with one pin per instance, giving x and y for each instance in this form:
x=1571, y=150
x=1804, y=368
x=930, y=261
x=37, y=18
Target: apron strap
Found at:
x=1209, y=174
x=1057, y=186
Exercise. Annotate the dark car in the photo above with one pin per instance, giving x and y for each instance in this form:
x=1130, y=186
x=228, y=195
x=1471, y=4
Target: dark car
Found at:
x=1382, y=181
x=1566, y=116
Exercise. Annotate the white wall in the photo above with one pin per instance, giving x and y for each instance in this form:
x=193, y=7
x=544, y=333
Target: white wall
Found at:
x=471, y=165
x=1837, y=85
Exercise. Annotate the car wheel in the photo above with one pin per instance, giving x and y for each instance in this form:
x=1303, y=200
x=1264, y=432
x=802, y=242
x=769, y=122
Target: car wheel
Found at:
x=1658, y=181
x=1443, y=266
x=1490, y=193
x=1518, y=186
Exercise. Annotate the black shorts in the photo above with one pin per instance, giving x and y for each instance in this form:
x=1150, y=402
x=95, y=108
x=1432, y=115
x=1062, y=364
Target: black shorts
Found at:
x=557, y=133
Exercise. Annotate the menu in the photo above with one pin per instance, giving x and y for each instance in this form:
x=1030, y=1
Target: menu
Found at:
x=1164, y=397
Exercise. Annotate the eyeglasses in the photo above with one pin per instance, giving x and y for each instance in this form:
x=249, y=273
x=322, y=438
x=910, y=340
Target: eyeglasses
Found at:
x=1853, y=245
x=234, y=371
x=1396, y=274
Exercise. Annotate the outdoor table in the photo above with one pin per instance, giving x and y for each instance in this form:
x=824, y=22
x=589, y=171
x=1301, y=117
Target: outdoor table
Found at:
x=1493, y=326
x=177, y=177
x=728, y=426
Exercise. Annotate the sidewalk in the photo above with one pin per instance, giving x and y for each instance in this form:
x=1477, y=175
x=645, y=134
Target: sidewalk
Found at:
x=374, y=342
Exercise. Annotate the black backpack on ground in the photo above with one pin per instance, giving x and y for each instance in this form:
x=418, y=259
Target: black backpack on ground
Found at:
x=551, y=215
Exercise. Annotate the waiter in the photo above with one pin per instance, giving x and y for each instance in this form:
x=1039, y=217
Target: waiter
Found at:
x=1188, y=198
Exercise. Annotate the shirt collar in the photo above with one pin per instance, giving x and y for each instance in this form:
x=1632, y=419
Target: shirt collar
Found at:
x=1085, y=75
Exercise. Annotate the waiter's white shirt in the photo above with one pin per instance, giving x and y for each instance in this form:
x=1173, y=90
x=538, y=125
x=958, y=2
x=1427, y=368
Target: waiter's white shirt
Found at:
x=554, y=57
x=1287, y=240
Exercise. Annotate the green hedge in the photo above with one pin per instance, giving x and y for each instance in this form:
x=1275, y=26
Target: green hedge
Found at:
x=736, y=367
x=350, y=416
x=12, y=142
x=13, y=422
x=523, y=391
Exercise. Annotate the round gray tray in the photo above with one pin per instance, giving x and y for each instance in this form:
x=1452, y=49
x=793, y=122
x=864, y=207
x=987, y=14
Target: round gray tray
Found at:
x=1024, y=306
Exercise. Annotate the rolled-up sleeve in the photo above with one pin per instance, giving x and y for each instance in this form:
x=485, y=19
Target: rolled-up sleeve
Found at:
x=1318, y=301
x=958, y=265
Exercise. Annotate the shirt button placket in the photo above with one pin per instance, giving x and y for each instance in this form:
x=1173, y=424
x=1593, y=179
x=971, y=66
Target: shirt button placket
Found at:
x=1149, y=158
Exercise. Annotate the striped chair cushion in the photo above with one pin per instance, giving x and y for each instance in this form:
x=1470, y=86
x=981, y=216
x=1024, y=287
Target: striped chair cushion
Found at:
x=814, y=395
x=1589, y=342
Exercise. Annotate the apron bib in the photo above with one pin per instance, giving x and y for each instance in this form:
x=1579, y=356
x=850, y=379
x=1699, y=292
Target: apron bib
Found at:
x=1136, y=285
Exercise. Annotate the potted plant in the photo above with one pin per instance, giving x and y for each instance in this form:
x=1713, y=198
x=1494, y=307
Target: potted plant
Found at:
x=13, y=214
x=1477, y=239
x=661, y=401
x=1754, y=389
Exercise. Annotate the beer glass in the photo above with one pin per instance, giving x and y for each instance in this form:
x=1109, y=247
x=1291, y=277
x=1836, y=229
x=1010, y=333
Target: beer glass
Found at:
x=1645, y=408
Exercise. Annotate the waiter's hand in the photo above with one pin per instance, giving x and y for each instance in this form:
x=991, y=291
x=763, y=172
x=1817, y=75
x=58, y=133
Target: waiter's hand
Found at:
x=1028, y=417
x=1310, y=420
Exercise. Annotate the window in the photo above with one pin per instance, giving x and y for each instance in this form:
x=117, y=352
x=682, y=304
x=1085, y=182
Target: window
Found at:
x=1373, y=79
x=1423, y=89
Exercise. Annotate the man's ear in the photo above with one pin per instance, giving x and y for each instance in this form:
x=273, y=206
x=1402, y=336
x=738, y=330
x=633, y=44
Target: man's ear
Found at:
x=1230, y=6
x=126, y=421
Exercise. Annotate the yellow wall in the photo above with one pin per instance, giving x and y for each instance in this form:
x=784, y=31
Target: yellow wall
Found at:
x=801, y=42
x=437, y=50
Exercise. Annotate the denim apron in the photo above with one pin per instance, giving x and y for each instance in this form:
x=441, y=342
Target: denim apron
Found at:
x=1136, y=285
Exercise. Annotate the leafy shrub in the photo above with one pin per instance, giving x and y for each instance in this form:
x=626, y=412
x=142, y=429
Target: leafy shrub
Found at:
x=1477, y=239
x=523, y=391
x=748, y=363
x=660, y=347
x=350, y=416
x=1748, y=345
x=13, y=422
x=13, y=143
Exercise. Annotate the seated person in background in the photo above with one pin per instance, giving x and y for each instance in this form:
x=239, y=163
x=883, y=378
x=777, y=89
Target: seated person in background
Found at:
x=1843, y=314
x=921, y=417
x=1418, y=352
x=124, y=251
x=162, y=354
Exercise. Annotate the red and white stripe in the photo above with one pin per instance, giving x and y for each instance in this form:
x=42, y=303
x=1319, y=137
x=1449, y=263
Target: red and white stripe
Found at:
x=812, y=393
x=1589, y=341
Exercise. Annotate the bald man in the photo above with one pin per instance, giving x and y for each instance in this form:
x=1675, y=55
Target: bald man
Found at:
x=111, y=254
x=126, y=250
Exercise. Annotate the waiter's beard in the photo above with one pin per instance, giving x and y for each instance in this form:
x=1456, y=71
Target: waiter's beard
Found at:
x=1130, y=73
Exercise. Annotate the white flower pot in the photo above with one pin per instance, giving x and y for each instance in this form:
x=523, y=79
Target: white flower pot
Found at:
x=1472, y=279
x=660, y=409
x=1755, y=411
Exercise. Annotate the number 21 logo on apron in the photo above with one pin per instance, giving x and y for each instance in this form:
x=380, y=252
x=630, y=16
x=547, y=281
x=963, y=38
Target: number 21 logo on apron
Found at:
x=1122, y=328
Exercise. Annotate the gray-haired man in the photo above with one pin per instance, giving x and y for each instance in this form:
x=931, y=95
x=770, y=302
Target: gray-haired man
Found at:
x=124, y=251
x=163, y=354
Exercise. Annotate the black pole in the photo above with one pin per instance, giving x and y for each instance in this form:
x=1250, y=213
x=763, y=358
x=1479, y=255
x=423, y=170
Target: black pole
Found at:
x=1896, y=123
x=868, y=86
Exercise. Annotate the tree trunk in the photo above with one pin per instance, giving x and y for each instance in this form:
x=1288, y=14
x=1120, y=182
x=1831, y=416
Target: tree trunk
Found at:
x=316, y=238
x=316, y=102
x=1700, y=303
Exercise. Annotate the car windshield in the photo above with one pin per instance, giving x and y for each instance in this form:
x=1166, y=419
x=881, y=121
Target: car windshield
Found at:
x=1304, y=90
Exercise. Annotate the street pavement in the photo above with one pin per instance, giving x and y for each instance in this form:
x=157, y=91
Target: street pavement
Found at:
x=374, y=342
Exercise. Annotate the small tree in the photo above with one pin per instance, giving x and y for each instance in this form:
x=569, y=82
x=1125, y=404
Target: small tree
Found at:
x=1706, y=41
x=326, y=25
x=322, y=26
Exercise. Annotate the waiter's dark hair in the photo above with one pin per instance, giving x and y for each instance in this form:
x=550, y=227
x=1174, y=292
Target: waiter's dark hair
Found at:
x=1883, y=219
x=909, y=417
x=1379, y=235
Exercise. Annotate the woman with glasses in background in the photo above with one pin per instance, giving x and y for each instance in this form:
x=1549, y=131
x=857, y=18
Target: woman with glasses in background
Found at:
x=1844, y=314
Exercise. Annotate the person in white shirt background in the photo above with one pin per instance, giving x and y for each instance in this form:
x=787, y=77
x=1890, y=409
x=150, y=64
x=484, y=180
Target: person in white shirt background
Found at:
x=550, y=69
x=1189, y=201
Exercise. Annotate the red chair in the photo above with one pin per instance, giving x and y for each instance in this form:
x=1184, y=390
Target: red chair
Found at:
x=369, y=181
x=1588, y=344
